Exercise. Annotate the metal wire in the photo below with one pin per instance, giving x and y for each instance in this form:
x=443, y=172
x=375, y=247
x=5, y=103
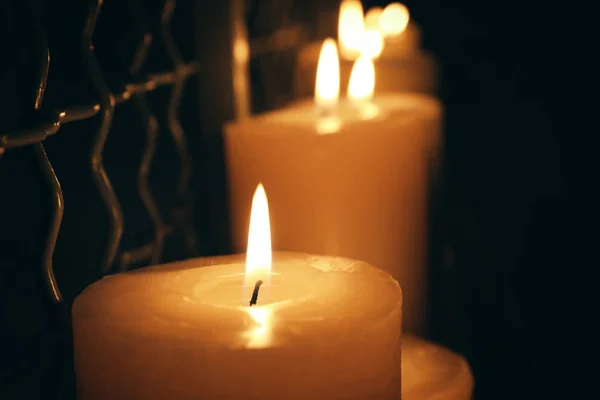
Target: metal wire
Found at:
x=135, y=91
x=107, y=107
x=182, y=215
x=50, y=176
x=151, y=250
x=38, y=133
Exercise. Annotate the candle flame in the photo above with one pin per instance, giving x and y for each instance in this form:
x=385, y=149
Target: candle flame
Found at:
x=370, y=43
x=259, y=256
x=362, y=80
x=362, y=86
x=327, y=84
x=394, y=20
x=350, y=27
x=372, y=18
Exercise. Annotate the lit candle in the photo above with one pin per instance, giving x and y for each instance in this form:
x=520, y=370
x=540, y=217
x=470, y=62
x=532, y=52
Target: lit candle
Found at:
x=353, y=183
x=385, y=35
x=214, y=328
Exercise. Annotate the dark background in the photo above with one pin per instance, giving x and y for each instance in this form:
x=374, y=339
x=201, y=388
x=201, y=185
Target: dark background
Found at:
x=504, y=227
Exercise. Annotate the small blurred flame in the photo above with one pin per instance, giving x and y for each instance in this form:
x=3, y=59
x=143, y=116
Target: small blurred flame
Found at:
x=394, y=20
x=372, y=18
x=241, y=50
x=327, y=84
x=362, y=86
x=370, y=43
x=350, y=27
x=259, y=256
x=362, y=80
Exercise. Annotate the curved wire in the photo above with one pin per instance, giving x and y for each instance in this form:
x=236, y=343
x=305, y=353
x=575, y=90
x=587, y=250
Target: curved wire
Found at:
x=160, y=228
x=172, y=111
x=57, y=214
x=175, y=127
x=51, y=180
x=107, y=104
x=152, y=250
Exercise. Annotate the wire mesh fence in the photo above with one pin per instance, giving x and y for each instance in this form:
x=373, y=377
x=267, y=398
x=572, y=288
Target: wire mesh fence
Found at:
x=107, y=159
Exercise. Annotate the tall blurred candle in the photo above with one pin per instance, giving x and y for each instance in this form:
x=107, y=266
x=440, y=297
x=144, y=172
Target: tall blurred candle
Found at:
x=346, y=179
x=322, y=328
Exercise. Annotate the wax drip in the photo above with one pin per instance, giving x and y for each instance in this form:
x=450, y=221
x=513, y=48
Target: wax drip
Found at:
x=255, y=293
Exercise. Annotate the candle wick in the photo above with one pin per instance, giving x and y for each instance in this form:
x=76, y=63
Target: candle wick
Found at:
x=255, y=293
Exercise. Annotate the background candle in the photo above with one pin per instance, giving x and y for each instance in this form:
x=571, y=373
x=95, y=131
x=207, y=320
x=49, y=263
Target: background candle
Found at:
x=350, y=28
x=401, y=66
x=360, y=192
x=431, y=372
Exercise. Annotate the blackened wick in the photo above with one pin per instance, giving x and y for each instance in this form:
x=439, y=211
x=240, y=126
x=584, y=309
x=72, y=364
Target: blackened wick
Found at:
x=255, y=292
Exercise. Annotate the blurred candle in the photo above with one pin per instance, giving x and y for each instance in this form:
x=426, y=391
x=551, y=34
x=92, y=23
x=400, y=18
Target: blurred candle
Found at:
x=353, y=182
x=393, y=20
x=385, y=35
x=402, y=37
x=432, y=372
x=321, y=327
x=350, y=28
x=372, y=18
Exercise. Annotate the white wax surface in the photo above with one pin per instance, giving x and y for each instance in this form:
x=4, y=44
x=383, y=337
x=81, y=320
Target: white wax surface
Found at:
x=360, y=193
x=322, y=328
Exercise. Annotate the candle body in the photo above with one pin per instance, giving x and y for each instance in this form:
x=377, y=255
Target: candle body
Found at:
x=327, y=328
x=431, y=372
x=359, y=193
x=402, y=67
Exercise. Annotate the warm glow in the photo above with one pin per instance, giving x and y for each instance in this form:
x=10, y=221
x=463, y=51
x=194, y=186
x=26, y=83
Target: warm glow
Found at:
x=372, y=18
x=258, y=256
x=370, y=43
x=259, y=335
x=362, y=80
x=350, y=27
x=394, y=19
x=328, y=124
x=327, y=85
x=241, y=51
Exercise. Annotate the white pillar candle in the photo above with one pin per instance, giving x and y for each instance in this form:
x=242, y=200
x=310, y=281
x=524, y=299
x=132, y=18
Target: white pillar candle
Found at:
x=322, y=328
x=360, y=192
x=432, y=372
